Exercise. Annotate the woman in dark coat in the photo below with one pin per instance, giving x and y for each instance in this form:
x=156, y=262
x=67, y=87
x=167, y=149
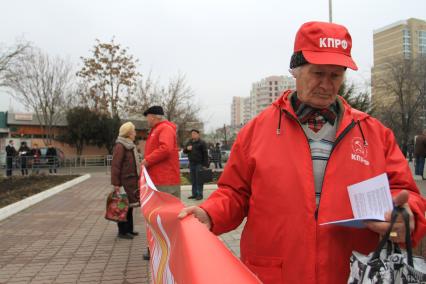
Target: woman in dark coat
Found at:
x=125, y=174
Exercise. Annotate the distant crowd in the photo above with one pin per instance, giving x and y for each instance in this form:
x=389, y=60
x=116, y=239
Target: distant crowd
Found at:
x=30, y=158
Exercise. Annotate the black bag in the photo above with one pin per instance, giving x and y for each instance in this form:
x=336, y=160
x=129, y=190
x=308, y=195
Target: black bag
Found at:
x=388, y=263
x=205, y=175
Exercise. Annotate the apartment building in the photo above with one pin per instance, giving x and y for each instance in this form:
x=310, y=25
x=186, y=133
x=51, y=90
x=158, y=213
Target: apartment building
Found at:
x=240, y=111
x=402, y=39
x=267, y=90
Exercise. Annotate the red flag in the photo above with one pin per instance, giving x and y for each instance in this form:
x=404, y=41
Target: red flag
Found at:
x=185, y=251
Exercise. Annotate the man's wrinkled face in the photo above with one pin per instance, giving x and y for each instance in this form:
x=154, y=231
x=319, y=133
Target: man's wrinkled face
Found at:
x=150, y=119
x=318, y=85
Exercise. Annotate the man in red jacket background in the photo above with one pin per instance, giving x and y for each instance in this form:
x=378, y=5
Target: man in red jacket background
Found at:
x=290, y=168
x=161, y=153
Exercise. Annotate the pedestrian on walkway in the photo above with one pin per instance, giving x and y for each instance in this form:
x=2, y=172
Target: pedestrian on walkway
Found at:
x=198, y=159
x=10, y=155
x=291, y=165
x=161, y=153
x=420, y=154
x=125, y=175
x=52, y=158
x=410, y=150
x=36, y=154
x=217, y=156
x=24, y=153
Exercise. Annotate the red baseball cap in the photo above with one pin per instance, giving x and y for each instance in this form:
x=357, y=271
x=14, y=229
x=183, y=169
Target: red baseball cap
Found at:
x=325, y=43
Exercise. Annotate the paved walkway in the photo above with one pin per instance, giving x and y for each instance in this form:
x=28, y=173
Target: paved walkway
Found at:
x=65, y=239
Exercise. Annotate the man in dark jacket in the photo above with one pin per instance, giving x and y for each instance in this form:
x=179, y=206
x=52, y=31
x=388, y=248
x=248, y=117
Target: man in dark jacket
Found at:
x=24, y=153
x=52, y=158
x=10, y=154
x=420, y=154
x=217, y=156
x=198, y=158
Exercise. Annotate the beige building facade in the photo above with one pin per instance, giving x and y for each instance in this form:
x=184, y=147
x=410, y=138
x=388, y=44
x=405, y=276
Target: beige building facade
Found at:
x=262, y=94
x=240, y=111
x=402, y=39
x=267, y=90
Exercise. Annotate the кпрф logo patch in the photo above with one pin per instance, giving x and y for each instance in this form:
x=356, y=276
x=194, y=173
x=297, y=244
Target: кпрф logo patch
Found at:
x=359, y=151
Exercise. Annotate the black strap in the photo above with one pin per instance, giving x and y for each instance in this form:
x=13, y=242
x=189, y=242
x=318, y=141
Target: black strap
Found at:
x=408, y=244
x=386, y=238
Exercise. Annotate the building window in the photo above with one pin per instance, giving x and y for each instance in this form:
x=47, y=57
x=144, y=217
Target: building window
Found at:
x=406, y=45
x=270, y=82
x=276, y=82
x=270, y=94
x=422, y=43
x=276, y=88
x=270, y=88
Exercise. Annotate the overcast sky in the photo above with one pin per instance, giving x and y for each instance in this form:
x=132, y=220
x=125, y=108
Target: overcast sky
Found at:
x=221, y=45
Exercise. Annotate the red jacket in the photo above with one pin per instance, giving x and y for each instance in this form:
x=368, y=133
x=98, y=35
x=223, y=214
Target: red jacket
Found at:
x=269, y=179
x=162, y=155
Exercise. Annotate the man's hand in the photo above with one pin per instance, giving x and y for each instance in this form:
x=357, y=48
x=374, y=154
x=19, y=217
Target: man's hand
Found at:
x=189, y=148
x=398, y=231
x=198, y=213
x=144, y=163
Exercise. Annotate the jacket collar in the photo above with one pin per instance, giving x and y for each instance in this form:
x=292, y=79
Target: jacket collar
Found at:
x=346, y=116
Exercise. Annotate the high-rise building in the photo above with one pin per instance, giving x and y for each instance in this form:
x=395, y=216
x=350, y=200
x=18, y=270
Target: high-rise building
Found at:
x=267, y=90
x=403, y=39
x=236, y=110
x=262, y=94
x=240, y=111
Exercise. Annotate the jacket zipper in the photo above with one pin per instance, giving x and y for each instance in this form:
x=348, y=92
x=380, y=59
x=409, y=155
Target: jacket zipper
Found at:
x=345, y=131
x=298, y=122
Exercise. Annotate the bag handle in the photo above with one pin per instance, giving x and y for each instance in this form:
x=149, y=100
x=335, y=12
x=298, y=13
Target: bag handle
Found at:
x=386, y=238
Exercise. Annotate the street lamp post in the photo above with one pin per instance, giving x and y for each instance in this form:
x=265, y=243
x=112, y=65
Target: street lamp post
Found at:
x=330, y=11
x=224, y=131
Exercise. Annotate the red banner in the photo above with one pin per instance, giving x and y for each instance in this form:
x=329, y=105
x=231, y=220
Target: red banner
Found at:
x=185, y=251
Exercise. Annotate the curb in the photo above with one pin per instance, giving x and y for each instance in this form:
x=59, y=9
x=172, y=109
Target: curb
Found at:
x=206, y=186
x=16, y=207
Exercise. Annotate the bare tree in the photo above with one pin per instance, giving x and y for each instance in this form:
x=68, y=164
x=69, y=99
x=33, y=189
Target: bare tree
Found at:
x=110, y=73
x=403, y=82
x=41, y=84
x=179, y=106
x=145, y=94
x=9, y=56
x=359, y=100
x=177, y=100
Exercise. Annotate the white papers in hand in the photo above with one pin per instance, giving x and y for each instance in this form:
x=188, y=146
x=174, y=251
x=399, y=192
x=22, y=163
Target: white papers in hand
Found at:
x=370, y=200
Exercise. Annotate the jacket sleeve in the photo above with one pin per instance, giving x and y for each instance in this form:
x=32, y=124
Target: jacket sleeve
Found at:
x=166, y=144
x=400, y=177
x=116, y=164
x=229, y=204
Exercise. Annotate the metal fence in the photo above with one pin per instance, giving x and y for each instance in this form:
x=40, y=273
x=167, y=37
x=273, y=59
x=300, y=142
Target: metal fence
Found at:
x=63, y=165
x=54, y=164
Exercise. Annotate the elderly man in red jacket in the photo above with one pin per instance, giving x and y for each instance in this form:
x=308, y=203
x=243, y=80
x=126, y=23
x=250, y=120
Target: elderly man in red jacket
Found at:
x=161, y=153
x=291, y=165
